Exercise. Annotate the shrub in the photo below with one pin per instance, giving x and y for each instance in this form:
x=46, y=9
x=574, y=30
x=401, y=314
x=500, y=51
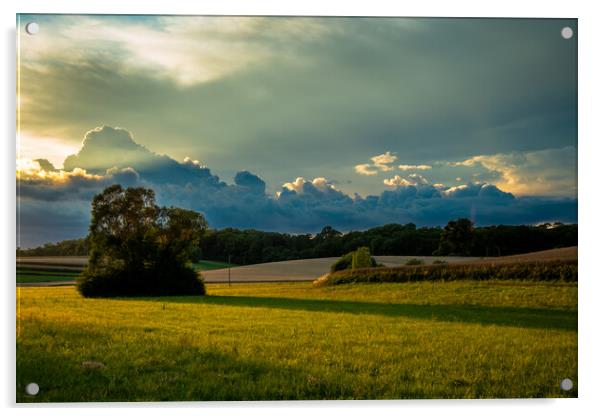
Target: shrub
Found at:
x=361, y=258
x=149, y=282
x=556, y=270
x=346, y=261
x=414, y=262
x=343, y=263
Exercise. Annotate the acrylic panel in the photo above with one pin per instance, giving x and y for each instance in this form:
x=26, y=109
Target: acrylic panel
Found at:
x=229, y=208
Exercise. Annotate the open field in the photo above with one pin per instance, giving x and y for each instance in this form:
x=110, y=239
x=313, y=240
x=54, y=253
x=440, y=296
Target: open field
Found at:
x=44, y=276
x=214, y=272
x=566, y=253
x=78, y=262
x=305, y=270
x=461, y=339
x=73, y=261
x=293, y=270
x=64, y=270
x=205, y=265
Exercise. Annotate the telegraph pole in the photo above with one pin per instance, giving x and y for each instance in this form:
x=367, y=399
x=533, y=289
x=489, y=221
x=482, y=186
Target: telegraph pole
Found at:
x=229, y=267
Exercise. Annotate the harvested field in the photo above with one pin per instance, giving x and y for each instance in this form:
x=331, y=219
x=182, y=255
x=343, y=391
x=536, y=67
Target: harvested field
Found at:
x=295, y=270
x=305, y=270
x=566, y=253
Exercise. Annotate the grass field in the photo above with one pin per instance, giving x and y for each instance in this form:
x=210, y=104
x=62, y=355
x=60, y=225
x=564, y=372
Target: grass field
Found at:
x=204, y=265
x=38, y=275
x=461, y=339
x=66, y=269
x=43, y=278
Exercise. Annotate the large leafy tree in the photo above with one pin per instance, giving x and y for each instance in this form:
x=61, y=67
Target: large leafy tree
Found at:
x=139, y=248
x=457, y=238
x=179, y=234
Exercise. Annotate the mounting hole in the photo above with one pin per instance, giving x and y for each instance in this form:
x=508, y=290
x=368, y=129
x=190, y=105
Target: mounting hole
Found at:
x=32, y=389
x=566, y=384
x=566, y=32
x=32, y=28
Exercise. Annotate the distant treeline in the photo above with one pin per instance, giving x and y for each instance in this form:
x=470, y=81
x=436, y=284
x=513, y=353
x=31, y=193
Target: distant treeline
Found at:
x=459, y=237
x=77, y=247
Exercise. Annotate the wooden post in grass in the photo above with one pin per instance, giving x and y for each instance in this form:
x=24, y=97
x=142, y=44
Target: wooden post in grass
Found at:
x=229, y=267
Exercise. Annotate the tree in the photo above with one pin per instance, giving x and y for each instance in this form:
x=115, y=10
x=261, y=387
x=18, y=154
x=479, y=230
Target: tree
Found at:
x=457, y=238
x=328, y=233
x=361, y=258
x=139, y=249
x=179, y=233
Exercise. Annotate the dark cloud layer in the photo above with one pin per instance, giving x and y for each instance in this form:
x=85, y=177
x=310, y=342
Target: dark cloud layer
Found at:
x=110, y=155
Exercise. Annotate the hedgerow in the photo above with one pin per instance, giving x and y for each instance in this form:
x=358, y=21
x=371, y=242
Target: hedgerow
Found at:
x=557, y=270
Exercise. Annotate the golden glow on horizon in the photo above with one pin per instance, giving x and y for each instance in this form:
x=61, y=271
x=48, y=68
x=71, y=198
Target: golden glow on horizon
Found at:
x=54, y=149
x=30, y=170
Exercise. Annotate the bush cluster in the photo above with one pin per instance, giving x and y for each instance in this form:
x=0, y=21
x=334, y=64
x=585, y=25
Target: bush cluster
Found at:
x=362, y=259
x=357, y=259
x=118, y=282
x=557, y=270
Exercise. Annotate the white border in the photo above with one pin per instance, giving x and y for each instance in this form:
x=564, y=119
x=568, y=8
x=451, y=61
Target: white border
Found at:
x=590, y=66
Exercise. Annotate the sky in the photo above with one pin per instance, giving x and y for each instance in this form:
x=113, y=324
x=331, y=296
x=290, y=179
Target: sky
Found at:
x=290, y=124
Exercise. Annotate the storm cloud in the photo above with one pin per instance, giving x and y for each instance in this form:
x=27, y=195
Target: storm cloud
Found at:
x=293, y=123
x=300, y=206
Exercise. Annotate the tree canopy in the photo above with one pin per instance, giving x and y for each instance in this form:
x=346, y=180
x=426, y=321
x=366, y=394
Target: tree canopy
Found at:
x=137, y=248
x=457, y=238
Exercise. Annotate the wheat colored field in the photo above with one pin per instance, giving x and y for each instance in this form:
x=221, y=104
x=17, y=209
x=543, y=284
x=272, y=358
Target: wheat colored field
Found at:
x=214, y=272
x=293, y=270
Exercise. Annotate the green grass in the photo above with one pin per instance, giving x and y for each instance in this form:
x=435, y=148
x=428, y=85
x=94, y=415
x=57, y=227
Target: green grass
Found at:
x=27, y=274
x=462, y=339
x=38, y=275
x=204, y=265
x=42, y=278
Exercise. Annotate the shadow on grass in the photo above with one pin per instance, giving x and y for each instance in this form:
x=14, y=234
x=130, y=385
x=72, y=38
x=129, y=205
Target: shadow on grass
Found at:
x=177, y=370
x=157, y=368
x=486, y=315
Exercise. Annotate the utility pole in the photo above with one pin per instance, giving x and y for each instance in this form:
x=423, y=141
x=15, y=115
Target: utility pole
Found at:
x=229, y=267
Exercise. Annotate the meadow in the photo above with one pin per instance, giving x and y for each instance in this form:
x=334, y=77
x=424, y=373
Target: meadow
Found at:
x=273, y=341
x=42, y=275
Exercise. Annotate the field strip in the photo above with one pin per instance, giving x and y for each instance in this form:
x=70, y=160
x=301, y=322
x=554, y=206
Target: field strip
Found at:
x=289, y=271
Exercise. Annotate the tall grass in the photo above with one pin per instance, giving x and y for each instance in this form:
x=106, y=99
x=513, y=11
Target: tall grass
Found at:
x=461, y=339
x=558, y=270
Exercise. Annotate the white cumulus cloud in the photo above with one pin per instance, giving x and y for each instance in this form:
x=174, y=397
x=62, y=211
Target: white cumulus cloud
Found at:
x=380, y=163
x=415, y=167
x=366, y=169
x=413, y=179
x=397, y=181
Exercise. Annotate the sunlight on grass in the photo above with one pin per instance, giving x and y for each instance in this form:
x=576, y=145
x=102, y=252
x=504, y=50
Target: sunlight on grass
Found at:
x=293, y=341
